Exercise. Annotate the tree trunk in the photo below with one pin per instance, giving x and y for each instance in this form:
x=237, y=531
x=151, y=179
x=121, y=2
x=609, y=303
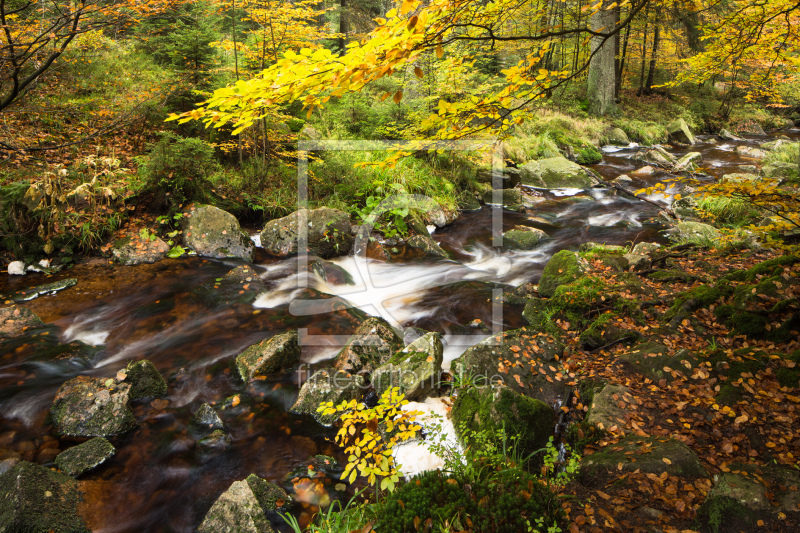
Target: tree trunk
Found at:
x=602, y=74
x=644, y=60
x=623, y=56
x=343, y=26
x=648, y=88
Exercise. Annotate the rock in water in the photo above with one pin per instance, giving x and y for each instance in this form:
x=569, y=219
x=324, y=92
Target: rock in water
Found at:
x=236, y=511
x=83, y=457
x=16, y=268
x=133, y=250
x=36, y=500
x=205, y=421
x=372, y=344
x=271, y=356
x=555, y=173
x=415, y=369
x=15, y=319
x=523, y=238
x=327, y=386
x=92, y=407
x=145, y=380
x=678, y=131
x=328, y=233
x=212, y=232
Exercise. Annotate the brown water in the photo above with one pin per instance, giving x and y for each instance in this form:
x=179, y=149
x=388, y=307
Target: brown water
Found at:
x=157, y=482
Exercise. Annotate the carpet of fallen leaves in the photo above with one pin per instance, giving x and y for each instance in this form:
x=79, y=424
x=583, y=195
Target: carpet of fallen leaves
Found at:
x=761, y=428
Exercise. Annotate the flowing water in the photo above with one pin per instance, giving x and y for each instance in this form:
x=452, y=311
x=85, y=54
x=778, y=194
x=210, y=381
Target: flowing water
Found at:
x=157, y=482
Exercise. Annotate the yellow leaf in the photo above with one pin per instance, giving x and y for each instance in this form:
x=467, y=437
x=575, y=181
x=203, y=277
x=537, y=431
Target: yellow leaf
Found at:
x=407, y=6
x=439, y=51
x=397, y=97
x=418, y=72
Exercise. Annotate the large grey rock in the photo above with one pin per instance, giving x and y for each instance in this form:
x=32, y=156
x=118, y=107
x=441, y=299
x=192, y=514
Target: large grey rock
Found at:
x=523, y=238
x=564, y=267
x=688, y=163
x=237, y=510
x=555, y=173
x=372, y=344
x=645, y=454
x=678, y=131
x=509, y=177
x=531, y=356
x=780, y=170
x=15, y=319
x=618, y=137
x=495, y=408
x=639, y=256
x=84, y=457
x=270, y=356
x=92, y=407
x=751, y=152
x=415, y=369
x=426, y=246
x=145, y=380
x=508, y=198
x=134, y=250
x=655, y=156
x=771, y=146
x=37, y=500
x=609, y=408
x=212, y=232
x=328, y=233
x=725, y=135
x=327, y=386
x=692, y=230
x=738, y=178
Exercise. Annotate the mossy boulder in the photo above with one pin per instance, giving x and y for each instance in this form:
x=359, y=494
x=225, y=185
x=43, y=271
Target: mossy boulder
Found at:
x=136, y=251
x=737, y=501
x=509, y=198
x=678, y=131
x=523, y=238
x=508, y=177
x=212, y=232
x=495, y=408
x=655, y=156
x=34, y=499
x=84, y=457
x=647, y=454
x=205, y=421
x=372, y=344
x=750, y=152
x=415, y=369
x=563, y=268
x=609, y=408
x=606, y=331
x=15, y=319
x=521, y=359
x=688, y=163
x=555, y=173
x=327, y=386
x=781, y=170
x=327, y=233
x=651, y=358
x=273, y=500
x=92, y=407
x=269, y=357
x=739, y=177
x=145, y=380
x=425, y=246
x=617, y=136
x=237, y=510
x=694, y=231
x=240, y=285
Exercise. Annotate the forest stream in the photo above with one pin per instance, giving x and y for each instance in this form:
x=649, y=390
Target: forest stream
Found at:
x=158, y=481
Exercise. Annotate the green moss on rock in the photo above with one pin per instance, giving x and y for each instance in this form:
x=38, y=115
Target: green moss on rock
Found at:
x=563, y=268
x=84, y=457
x=372, y=344
x=145, y=380
x=90, y=407
x=275, y=355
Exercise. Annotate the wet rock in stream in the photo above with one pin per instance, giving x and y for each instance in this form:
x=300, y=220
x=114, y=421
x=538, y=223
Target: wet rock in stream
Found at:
x=239, y=286
x=84, y=457
x=132, y=250
x=15, y=319
x=145, y=380
x=35, y=499
x=271, y=356
x=39, y=290
x=212, y=232
x=372, y=344
x=415, y=369
x=327, y=386
x=555, y=173
x=237, y=510
x=205, y=421
x=92, y=407
x=328, y=233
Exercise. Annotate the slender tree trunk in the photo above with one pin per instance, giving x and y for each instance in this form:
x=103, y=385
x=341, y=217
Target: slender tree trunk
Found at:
x=235, y=47
x=343, y=26
x=623, y=56
x=644, y=60
x=602, y=75
x=648, y=88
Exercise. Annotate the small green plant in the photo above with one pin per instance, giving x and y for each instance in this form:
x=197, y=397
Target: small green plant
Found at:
x=370, y=449
x=352, y=517
x=391, y=222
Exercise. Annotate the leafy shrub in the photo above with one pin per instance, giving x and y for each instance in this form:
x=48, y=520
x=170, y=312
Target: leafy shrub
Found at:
x=177, y=169
x=512, y=501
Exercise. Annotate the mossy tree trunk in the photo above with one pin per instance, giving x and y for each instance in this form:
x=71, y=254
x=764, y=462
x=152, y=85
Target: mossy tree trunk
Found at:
x=602, y=68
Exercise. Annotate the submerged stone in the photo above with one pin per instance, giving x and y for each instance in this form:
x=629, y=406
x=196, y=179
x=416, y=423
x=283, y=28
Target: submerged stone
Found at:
x=39, y=290
x=37, y=500
x=84, y=457
x=92, y=407
x=239, y=286
x=145, y=380
x=205, y=421
x=15, y=319
x=270, y=356
x=212, y=232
